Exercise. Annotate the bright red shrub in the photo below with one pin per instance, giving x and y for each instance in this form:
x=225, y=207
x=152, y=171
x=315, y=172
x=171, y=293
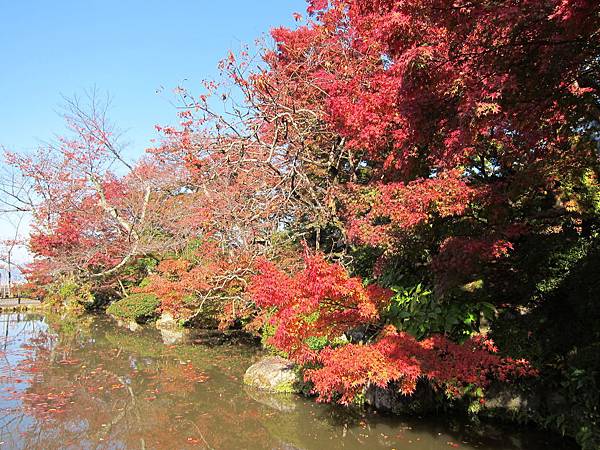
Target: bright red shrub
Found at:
x=398, y=357
x=470, y=113
x=322, y=300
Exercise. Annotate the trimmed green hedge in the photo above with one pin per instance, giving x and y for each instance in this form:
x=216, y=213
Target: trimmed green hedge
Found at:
x=137, y=307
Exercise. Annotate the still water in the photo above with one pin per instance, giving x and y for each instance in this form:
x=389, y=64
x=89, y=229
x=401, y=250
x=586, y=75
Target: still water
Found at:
x=88, y=384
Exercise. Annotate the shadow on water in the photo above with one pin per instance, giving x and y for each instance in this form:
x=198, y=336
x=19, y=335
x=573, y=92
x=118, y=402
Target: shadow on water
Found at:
x=88, y=384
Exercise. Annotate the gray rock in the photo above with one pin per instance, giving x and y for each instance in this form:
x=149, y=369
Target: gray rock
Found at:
x=392, y=400
x=274, y=374
x=358, y=334
x=506, y=399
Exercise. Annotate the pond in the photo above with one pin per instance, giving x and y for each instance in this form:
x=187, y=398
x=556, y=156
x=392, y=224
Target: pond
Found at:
x=84, y=384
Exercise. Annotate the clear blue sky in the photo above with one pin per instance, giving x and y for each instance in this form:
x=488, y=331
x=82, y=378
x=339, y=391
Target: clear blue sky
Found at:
x=129, y=48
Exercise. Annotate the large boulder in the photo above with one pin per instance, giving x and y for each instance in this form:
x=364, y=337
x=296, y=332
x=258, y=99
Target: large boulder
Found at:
x=274, y=374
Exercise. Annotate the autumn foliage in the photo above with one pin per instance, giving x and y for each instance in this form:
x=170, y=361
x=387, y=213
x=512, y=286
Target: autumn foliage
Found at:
x=323, y=302
x=184, y=285
x=320, y=301
x=399, y=358
x=406, y=143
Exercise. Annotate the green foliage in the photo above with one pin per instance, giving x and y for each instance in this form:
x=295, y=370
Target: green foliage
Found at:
x=70, y=294
x=144, y=265
x=190, y=300
x=138, y=270
x=68, y=289
x=591, y=192
x=560, y=285
x=417, y=311
x=579, y=415
x=360, y=400
x=559, y=263
x=582, y=192
x=317, y=342
x=558, y=331
x=363, y=260
x=136, y=307
x=267, y=331
x=190, y=252
x=144, y=283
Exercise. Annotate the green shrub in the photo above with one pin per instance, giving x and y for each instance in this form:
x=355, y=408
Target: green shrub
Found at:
x=138, y=270
x=136, y=307
x=417, y=311
x=70, y=294
x=558, y=332
x=68, y=289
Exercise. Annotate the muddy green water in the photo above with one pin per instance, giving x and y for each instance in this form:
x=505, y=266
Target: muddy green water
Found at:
x=89, y=384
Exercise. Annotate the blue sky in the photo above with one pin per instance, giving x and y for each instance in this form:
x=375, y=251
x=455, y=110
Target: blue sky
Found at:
x=129, y=48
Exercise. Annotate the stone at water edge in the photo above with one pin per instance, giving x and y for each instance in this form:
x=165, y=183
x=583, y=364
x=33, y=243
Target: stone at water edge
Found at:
x=391, y=399
x=131, y=325
x=274, y=374
x=166, y=321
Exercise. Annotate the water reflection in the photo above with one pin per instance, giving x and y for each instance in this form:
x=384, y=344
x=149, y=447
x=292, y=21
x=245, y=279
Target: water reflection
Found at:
x=89, y=384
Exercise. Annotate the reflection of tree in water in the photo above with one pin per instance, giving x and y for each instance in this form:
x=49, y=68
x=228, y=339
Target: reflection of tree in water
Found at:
x=101, y=387
x=84, y=391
